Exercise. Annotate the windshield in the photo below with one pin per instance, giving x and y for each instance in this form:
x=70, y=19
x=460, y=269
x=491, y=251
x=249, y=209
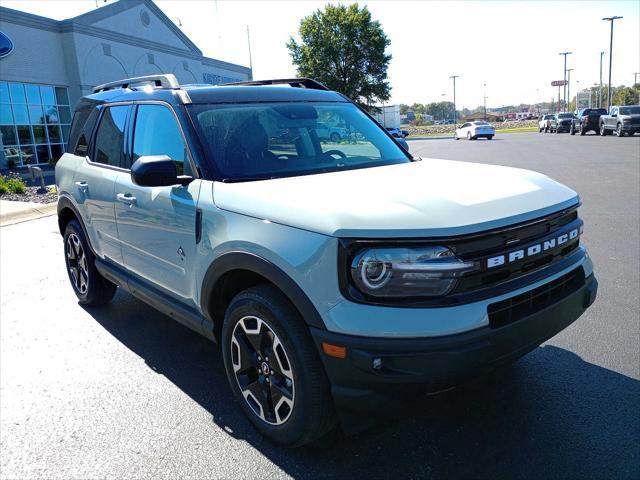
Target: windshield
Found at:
x=271, y=140
x=565, y=115
x=629, y=110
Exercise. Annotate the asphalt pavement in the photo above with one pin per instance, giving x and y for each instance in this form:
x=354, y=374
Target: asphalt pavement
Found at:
x=125, y=392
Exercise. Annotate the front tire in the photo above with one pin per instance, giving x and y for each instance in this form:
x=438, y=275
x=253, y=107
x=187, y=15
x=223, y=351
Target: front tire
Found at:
x=489, y=137
x=91, y=288
x=572, y=130
x=619, y=131
x=335, y=137
x=603, y=130
x=274, y=369
x=582, y=131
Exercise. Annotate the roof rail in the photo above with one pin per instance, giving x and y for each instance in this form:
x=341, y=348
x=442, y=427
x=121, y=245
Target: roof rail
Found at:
x=294, y=82
x=160, y=81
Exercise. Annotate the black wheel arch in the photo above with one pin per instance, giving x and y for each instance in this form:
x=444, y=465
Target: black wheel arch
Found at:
x=251, y=269
x=67, y=211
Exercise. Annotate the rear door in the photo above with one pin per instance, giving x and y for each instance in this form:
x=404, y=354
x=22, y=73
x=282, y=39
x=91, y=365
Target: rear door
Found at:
x=95, y=180
x=157, y=225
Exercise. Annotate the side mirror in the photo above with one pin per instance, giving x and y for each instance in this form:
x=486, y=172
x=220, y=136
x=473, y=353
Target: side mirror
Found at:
x=614, y=114
x=157, y=171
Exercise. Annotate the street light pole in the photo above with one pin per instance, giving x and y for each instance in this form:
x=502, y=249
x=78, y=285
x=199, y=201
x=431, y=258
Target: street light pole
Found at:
x=635, y=78
x=610, y=19
x=564, y=90
x=600, y=92
x=569, y=70
x=455, y=115
x=485, y=102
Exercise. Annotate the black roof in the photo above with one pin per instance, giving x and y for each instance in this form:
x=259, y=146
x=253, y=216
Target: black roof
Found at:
x=219, y=94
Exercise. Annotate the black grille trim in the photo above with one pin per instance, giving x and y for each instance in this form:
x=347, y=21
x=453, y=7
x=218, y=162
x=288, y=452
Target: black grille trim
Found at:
x=516, y=308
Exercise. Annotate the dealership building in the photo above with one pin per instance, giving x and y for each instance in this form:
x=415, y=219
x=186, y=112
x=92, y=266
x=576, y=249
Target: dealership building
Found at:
x=47, y=65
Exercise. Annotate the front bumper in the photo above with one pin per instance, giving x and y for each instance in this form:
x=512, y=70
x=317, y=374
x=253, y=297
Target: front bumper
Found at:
x=405, y=368
x=631, y=127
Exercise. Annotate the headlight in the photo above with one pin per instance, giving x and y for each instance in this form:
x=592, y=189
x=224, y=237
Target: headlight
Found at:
x=407, y=272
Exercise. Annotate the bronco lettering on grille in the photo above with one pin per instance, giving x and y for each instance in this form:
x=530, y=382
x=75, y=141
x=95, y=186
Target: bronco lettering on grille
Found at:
x=532, y=250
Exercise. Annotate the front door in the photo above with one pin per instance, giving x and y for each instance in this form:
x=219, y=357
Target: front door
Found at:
x=157, y=225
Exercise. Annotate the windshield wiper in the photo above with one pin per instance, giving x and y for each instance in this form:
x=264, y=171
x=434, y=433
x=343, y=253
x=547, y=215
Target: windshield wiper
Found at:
x=246, y=179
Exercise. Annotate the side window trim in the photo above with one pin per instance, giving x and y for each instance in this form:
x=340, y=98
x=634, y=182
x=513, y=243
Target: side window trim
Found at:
x=192, y=164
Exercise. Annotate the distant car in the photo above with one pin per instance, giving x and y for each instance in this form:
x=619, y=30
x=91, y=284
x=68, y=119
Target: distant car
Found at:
x=621, y=119
x=330, y=132
x=587, y=119
x=561, y=122
x=545, y=123
x=475, y=130
x=396, y=132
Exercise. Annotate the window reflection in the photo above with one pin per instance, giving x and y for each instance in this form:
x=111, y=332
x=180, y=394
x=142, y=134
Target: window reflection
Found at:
x=34, y=123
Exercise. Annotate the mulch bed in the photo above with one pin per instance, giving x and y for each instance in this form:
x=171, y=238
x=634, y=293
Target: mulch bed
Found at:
x=33, y=194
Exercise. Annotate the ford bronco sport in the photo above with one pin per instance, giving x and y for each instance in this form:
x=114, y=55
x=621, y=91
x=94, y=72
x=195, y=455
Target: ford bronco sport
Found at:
x=337, y=277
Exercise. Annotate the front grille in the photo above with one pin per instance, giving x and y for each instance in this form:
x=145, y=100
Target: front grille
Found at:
x=479, y=249
x=516, y=308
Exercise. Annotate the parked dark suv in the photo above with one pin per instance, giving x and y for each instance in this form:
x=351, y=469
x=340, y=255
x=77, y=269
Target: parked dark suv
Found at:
x=587, y=119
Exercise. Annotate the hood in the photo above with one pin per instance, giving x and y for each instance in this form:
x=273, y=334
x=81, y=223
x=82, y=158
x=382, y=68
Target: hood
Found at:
x=430, y=198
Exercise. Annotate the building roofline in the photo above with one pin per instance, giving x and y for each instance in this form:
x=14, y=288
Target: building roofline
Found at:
x=9, y=15
x=111, y=9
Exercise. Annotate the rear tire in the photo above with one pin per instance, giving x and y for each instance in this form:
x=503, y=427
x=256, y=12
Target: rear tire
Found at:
x=572, y=130
x=270, y=360
x=490, y=137
x=582, y=130
x=91, y=288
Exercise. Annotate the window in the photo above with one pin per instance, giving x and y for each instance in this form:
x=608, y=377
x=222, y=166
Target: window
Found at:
x=110, y=136
x=34, y=122
x=289, y=139
x=157, y=133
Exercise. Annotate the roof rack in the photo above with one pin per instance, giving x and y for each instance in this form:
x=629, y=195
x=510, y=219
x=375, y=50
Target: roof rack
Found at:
x=159, y=81
x=294, y=82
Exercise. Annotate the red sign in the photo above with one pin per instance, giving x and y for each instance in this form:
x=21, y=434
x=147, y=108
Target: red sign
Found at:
x=558, y=83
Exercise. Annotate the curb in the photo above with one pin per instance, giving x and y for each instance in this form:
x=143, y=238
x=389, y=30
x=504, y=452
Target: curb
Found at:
x=28, y=211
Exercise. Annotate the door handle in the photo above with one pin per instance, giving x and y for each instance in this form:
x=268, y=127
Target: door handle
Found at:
x=82, y=186
x=126, y=198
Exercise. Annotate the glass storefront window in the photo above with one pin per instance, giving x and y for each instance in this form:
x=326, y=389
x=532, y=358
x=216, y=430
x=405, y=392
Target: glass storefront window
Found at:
x=33, y=94
x=37, y=114
x=47, y=94
x=39, y=134
x=4, y=93
x=20, y=113
x=34, y=122
x=54, y=133
x=17, y=93
x=6, y=117
x=24, y=134
x=62, y=96
x=8, y=134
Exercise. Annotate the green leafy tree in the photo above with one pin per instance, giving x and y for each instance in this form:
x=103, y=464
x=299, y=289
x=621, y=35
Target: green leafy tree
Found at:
x=342, y=47
x=404, y=109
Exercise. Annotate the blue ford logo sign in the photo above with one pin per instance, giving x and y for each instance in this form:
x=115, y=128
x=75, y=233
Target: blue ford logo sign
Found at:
x=6, y=45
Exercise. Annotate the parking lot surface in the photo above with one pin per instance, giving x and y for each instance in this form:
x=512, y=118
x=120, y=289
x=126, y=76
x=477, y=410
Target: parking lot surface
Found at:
x=124, y=392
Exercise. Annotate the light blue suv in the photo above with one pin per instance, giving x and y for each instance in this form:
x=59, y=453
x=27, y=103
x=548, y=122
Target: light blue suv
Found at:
x=338, y=277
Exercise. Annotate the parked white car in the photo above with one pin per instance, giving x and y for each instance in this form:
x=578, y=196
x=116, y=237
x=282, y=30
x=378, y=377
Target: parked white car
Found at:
x=475, y=130
x=545, y=123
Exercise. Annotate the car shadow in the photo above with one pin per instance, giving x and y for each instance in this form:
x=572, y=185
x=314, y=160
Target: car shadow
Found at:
x=551, y=415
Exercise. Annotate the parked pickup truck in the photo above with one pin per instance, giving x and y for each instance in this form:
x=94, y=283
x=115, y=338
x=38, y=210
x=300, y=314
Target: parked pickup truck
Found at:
x=587, y=119
x=337, y=280
x=621, y=120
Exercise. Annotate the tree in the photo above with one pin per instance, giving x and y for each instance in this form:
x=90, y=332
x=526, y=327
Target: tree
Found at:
x=344, y=48
x=404, y=109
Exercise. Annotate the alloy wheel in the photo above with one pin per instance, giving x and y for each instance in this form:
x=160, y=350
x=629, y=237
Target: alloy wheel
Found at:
x=262, y=370
x=77, y=264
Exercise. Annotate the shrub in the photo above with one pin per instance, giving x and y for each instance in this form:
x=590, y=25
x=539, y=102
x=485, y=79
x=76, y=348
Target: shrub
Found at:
x=12, y=184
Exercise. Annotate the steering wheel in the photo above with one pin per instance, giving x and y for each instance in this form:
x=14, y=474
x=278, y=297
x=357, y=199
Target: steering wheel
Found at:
x=329, y=153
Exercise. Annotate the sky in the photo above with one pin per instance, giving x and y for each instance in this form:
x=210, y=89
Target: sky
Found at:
x=511, y=46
